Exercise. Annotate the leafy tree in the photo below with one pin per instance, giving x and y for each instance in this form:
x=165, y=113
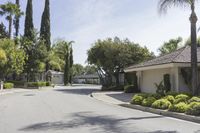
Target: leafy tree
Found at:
x=3, y=32
x=45, y=32
x=9, y=9
x=29, y=27
x=112, y=55
x=90, y=69
x=77, y=69
x=15, y=58
x=37, y=55
x=170, y=46
x=164, y=5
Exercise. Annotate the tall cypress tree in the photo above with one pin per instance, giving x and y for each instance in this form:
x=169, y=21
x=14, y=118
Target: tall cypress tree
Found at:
x=17, y=21
x=29, y=28
x=45, y=32
x=71, y=64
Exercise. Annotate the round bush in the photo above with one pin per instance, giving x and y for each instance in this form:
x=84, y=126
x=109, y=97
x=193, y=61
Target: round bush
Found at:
x=161, y=104
x=193, y=109
x=180, y=107
x=170, y=98
x=172, y=93
x=145, y=95
x=156, y=96
x=194, y=99
x=137, y=99
x=148, y=101
x=8, y=85
x=181, y=98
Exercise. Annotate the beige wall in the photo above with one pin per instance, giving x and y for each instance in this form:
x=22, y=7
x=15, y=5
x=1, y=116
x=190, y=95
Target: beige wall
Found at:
x=148, y=78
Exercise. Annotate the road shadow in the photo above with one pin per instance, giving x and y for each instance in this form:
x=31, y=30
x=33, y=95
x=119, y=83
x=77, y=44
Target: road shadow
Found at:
x=96, y=123
x=125, y=97
x=78, y=91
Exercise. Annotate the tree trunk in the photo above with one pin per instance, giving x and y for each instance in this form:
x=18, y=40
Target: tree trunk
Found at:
x=193, y=20
x=17, y=21
x=10, y=26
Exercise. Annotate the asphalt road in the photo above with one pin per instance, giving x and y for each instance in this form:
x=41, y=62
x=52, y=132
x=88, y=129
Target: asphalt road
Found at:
x=71, y=110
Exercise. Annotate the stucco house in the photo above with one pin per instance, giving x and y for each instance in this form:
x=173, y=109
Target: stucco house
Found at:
x=56, y=77
x=175, y=63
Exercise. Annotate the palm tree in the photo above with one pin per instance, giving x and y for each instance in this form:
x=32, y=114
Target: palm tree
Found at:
x=9, y=9
x=163, y=6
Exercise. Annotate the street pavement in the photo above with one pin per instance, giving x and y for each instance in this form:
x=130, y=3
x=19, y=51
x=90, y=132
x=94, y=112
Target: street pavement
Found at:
x=72, y=110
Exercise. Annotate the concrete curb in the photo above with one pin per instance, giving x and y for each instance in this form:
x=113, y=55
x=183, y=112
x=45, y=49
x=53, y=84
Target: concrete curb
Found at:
x=164, y=113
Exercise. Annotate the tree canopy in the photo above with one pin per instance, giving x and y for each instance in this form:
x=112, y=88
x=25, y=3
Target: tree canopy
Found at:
x=110, y=54
x=170, y=46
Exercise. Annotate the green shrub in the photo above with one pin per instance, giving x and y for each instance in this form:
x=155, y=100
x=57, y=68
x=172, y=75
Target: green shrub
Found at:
x=17, y=83
x=172, y=93
x=130, y=89
x=145, y=95
x=170, y=98
x=156, y=96
x=194, y=99
x=137, y=99
x=181, y=98
x=193, y=109
x=180, y=107
x=148, y=101
x=48, y=83
x=161, y=104
x=36, y=84
x=8, y=85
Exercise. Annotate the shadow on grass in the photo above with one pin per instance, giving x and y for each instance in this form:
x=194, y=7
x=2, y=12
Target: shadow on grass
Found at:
x=96, y=123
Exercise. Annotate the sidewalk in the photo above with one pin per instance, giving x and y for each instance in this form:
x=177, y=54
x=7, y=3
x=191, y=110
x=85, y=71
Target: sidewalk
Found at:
x=112, y=97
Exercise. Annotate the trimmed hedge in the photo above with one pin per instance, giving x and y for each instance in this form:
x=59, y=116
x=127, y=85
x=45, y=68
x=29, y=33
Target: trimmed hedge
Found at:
x=36, y=84
x=170, y=98
x=180, y=107
x=137, y=99
x=161, y=104
x=8, y=85
x=181, y=98
x=193, y=109
x=148, y=101
x=17, y=83
x=194, y=99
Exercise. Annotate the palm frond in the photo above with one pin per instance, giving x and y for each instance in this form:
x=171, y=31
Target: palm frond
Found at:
x=163, y=5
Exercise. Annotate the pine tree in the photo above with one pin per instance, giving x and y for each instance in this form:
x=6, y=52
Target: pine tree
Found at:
x=29, y=27
x=45, y=32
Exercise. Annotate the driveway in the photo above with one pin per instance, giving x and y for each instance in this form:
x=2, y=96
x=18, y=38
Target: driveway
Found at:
x=71, y=110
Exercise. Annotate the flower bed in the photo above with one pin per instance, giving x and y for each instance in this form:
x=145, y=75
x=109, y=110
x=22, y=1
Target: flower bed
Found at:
x=175, y=102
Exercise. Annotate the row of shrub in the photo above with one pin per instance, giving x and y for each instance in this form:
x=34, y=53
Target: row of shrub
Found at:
x=8, y=85
x=176, y=102
x=126, y=88
x=38, y=84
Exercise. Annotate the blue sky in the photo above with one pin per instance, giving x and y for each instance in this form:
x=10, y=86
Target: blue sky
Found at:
x=85, y=21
